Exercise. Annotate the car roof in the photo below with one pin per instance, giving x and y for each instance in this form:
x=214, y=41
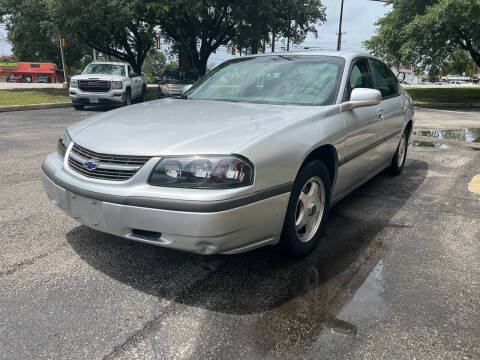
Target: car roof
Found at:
x=108, y=62
x=347, y=55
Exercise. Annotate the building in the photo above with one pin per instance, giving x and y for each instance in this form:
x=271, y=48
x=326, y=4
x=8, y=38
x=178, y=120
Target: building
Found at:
x=14, y=71
x=410, y=77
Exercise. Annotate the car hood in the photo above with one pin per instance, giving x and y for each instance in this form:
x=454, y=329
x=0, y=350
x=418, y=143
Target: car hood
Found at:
x=178, y=126
x=97, y=77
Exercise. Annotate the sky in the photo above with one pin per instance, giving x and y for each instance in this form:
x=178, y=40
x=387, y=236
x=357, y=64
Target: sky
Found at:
x=358, y=23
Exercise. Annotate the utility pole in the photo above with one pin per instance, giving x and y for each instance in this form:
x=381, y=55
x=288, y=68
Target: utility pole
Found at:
x=63, y=59
x=339, y=44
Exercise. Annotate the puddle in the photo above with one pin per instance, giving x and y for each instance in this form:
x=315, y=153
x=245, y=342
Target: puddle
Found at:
x=465, y=135
x=431, y=144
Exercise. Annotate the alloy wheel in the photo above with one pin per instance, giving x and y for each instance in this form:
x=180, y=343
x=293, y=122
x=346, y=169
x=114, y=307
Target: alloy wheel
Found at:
x=310, y=209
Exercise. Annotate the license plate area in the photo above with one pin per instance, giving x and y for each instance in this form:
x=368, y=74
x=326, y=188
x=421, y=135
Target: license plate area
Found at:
x=87, y=211
x=93, y=100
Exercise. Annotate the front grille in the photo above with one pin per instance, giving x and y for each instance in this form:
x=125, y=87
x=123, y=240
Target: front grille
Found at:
x=94, y=85
x=107, y=167
x=175, y=89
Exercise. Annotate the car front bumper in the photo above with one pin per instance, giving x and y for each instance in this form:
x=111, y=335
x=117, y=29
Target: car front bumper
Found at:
x=112, y=97
x=231, y=230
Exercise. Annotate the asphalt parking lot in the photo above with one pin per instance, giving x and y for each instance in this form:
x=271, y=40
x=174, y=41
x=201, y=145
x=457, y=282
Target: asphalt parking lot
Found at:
x=396, y=277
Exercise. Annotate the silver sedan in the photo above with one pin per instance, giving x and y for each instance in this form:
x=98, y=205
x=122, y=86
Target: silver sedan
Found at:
x=254, y=154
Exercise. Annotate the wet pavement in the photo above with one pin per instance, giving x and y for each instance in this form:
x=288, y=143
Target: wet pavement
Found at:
x=465, y=135
x=447, y=129
x=396, y=276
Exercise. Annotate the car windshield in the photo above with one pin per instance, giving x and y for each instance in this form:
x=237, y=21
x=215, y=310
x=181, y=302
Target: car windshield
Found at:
x=180, y=76
x=107, y=69
x=300, y=80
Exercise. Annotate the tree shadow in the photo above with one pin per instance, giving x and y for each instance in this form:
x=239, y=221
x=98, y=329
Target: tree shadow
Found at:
x=306, y=294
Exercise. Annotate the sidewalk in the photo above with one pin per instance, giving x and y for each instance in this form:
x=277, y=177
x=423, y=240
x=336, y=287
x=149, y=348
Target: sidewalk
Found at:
x=25, y=86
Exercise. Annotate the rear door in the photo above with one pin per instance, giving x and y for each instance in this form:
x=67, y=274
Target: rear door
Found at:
x=393, y=116
x=135, y=81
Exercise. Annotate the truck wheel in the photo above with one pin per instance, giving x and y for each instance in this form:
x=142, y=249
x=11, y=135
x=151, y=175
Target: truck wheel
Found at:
x=78, y=107
x=307, y=210
x=127, y=98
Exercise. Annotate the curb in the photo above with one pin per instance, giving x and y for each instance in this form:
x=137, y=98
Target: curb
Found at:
x=447, y=105
x=35, y=107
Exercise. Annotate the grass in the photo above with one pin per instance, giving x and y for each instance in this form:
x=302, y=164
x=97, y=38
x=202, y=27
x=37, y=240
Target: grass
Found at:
x=32, y=96
x=461, y=95
x=423, y=95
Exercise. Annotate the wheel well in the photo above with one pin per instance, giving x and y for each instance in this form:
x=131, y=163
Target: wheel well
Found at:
x=328, y=155
x=409, y=127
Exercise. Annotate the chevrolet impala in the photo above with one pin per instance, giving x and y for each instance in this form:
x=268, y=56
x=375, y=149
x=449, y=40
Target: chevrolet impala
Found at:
x=254, y=154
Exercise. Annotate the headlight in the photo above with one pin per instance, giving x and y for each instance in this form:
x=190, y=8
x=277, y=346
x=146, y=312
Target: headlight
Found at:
x=203, y=172
x=63, y=143
x=117, y=84
x=73, y=83
x=163, y=88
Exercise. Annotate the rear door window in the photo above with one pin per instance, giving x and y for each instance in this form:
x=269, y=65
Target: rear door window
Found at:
x=386, y=81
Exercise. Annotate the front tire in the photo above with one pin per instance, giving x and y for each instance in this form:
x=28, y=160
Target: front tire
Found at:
x=78, y=107
x=307, y=210
x=398, y=161
x=127, y=98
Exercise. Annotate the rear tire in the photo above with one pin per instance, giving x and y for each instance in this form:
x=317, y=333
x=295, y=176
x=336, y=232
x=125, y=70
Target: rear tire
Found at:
x=143, y=95
x=307, y=210
x=398, y=161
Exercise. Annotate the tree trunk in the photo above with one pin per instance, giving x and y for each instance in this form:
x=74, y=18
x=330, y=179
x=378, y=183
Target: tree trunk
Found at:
x=184, y=60
x=273, y=41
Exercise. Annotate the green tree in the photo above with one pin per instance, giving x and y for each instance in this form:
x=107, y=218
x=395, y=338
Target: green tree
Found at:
x=199, y=27
x=34, y=37
x=458, y=62
x=155, y=63
x=423, y=34
x=119, y=28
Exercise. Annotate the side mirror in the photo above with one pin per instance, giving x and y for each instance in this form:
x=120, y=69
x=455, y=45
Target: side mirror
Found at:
x=185, y=88
x=157, y=80
x=401, y=77
x=132, y=75
x=362, y=97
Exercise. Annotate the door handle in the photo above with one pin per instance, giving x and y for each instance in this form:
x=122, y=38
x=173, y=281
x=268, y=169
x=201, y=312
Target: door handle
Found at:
x=380, y=115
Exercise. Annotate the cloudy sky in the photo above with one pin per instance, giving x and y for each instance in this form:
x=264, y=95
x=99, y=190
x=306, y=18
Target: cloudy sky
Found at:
x=359, y=19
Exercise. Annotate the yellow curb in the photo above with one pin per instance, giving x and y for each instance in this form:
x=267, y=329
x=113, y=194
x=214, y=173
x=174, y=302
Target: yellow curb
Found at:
x=474, y=185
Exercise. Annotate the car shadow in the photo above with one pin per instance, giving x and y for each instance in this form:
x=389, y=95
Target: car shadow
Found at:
x=307, y=293
x=99, y=108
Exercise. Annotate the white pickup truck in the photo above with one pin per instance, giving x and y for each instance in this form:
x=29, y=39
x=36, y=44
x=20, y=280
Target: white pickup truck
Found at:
x=107, y=83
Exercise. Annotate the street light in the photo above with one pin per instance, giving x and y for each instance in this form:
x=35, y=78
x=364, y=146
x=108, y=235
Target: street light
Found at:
x=339, y=44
